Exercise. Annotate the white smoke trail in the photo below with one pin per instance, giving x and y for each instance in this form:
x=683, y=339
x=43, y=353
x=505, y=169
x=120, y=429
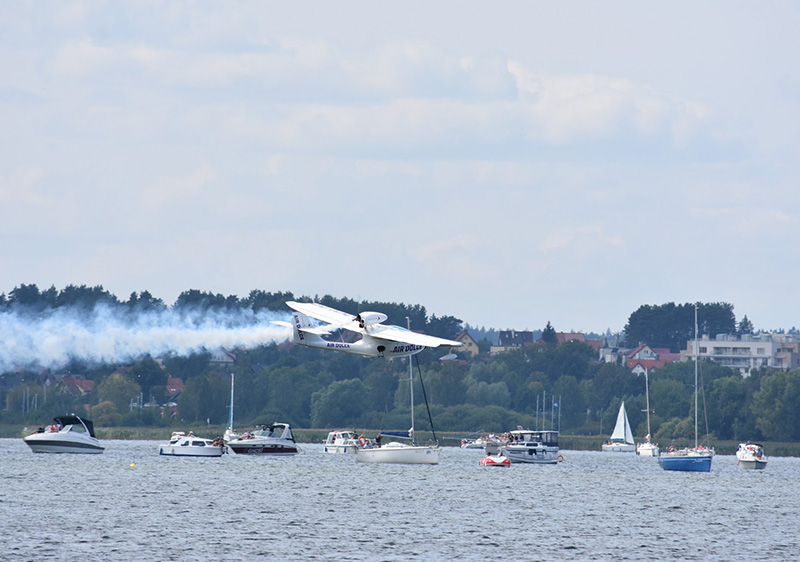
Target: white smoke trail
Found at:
x=111, y=335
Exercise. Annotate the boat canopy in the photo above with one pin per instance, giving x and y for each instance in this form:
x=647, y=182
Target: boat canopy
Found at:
x=76, y=420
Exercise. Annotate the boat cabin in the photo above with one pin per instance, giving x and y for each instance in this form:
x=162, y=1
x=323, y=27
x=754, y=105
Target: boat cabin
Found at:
x=341, y=437
x=543, y=438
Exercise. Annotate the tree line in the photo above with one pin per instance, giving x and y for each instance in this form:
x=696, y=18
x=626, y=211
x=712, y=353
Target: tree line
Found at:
x=321, y=389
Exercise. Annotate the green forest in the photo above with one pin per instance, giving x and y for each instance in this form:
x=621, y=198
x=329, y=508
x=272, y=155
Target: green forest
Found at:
x=542, y=384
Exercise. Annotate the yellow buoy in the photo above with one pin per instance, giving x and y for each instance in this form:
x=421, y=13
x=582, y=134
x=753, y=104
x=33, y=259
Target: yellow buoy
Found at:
x=133, y=464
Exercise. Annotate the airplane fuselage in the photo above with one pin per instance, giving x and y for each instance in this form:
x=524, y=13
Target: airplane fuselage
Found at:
x=369, y=346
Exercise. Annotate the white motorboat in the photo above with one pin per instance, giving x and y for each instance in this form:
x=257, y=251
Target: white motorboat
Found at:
x=273, y=439
x=472, y=443
x=480, y=442
x=531, y=446
x=183, y=445
x=395, y=451
x=621, y=440
x=69, y=434
x=751, y=455
x=344, y=442
x=647, y=448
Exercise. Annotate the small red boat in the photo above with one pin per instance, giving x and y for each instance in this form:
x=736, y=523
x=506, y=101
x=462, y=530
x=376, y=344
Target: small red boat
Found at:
x=495, y=460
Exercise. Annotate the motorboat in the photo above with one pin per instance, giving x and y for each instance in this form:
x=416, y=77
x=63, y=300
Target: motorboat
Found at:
x=621, y=440
x=273, y=439
x=68, y=434
x=495, y=460
x=183, y=445
x=647, y=448
x=344, y=442
x=751, y=455
x=531, y=446
x=480, y=442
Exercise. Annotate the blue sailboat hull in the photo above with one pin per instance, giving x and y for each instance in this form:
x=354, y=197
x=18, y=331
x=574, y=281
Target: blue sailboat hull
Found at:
x=686, y=463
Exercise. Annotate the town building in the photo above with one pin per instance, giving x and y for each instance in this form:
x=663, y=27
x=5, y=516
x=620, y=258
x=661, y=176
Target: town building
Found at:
x=512, y=339
x=747, y=352
x=470, y=345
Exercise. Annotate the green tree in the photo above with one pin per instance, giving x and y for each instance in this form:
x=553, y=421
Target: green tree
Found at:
x=570, y=400
x=745, y=326
x=777, y=406
x=152, y=379
x=549, y=334
x=106, y=414
x=670, y=325
x=118, y=389
x=341, y=404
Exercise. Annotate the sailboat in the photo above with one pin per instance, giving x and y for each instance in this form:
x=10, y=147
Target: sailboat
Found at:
x=401, y=452
x=230, y=433
x=647, y=448
x=621, y=440
x=697, y=459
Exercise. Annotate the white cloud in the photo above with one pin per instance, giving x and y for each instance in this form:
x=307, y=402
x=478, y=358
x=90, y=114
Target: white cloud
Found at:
x=446, y=152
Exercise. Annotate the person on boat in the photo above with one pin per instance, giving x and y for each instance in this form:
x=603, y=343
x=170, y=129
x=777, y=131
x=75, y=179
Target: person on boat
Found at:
x=378, y=439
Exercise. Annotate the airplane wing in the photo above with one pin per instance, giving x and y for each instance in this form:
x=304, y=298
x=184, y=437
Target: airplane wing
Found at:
x=336, y=318
x=398, y=334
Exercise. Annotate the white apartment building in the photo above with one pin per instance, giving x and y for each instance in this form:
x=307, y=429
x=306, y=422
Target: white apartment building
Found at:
x=747, y=352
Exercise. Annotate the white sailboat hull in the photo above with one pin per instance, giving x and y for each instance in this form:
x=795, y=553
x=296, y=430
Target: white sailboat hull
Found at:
x=399, y=453
x=619, y=448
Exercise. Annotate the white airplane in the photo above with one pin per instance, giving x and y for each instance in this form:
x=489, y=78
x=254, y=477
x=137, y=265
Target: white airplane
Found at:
x=377, y=340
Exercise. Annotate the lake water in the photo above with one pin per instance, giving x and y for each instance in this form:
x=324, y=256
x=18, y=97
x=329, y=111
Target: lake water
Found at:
x=316, y=506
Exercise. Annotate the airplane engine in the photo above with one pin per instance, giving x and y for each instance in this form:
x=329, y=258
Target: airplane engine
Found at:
x=370, y=318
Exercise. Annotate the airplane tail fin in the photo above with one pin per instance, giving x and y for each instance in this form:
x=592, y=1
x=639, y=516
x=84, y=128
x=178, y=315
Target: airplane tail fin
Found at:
x=301, y=325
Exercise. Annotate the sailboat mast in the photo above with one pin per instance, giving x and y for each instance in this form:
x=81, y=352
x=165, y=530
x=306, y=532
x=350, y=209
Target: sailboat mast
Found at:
x=647, y=402
x=695, y=376
x=230, y=418
x=411, y=386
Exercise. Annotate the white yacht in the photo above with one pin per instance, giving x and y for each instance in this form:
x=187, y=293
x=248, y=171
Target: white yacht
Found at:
x=273, y=439
x=344, y=442
x=183, y=445
x=530, y=446
x=68, y=434
x=751, y=455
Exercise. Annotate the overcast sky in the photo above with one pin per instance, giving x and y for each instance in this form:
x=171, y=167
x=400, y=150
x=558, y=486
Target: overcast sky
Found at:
x=507, y=163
